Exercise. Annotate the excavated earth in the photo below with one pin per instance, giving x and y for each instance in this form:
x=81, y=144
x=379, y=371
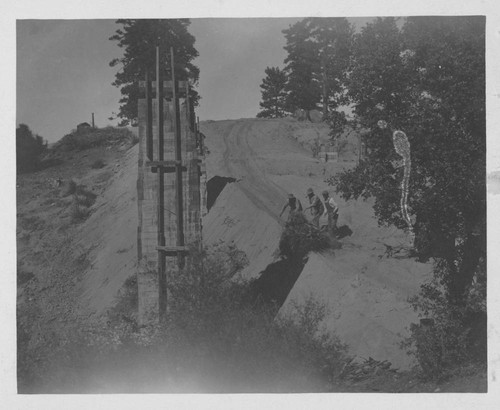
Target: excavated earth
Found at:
x=364, y=285
x=69, y=270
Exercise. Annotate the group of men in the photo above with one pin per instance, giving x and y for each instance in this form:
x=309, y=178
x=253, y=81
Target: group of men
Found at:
x=329, y=208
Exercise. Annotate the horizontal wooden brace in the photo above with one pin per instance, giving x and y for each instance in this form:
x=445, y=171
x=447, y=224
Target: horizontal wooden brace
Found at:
x=165, y=164
x=168, y=166
x=172, y=249
x=167, y=86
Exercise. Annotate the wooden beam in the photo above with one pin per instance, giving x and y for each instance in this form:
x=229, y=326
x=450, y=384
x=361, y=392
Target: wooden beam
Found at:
x=165, y=164
x=172, y=249
x=149, y=118
x=167, y=88
x=179, y=206
x=162, y=276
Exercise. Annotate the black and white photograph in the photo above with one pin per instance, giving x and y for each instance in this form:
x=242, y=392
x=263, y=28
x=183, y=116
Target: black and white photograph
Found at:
x=262, y=204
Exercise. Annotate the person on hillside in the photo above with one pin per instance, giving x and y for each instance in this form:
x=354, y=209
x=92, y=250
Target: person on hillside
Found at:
x=332, y=210
x=294, y=205
x=316, y=206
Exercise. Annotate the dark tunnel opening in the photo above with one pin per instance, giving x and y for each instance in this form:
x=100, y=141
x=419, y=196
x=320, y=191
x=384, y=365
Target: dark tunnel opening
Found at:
x=215, y=186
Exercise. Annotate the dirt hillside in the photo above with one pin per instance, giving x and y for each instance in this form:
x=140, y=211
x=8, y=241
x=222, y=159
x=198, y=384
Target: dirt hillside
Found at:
x=70, y=269
x=364, y=285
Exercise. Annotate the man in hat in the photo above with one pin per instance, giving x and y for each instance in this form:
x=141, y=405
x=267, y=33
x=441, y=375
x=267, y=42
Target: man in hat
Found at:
x=332, y=210
x=316, y=206
x=294, y=205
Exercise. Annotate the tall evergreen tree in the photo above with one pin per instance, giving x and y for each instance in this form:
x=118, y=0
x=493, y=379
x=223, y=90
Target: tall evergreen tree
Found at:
x=139, y=39
x=317, y=62
x=333, y=38
x=273, y=102
x=304, y=90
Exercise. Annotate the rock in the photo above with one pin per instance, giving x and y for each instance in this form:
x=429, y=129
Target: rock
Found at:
x=315, y=116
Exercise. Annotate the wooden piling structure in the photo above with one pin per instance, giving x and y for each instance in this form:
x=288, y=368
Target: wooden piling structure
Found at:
x=168, y=186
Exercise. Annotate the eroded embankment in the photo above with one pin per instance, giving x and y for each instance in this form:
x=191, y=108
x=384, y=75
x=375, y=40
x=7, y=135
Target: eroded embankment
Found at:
x=364, y=288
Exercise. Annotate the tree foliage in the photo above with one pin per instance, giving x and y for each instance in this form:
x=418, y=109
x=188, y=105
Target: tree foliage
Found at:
x=427, y=79
x=139, y=39
x=29, y=148
x=273, y=94
x=316, y=65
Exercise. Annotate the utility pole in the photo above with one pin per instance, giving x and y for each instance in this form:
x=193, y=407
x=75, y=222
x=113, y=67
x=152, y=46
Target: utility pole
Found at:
x=93, y=124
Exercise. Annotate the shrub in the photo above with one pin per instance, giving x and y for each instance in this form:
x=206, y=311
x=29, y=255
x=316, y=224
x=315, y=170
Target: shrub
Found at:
x=214, y=339
x=68, y=188
x=299, y=238
x=29, y=148
x=98, y=164
x=95, y=137
x=23, y=276
x=449, y=334
x=78, y=212
x=84, y=197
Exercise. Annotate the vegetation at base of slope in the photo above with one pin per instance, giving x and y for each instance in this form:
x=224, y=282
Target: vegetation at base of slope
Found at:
x=299, y=238
x=216, y=337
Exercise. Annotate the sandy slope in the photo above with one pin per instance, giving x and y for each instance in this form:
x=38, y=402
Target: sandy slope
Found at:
x=366, y=291
x=81, y=267
x=111, y=233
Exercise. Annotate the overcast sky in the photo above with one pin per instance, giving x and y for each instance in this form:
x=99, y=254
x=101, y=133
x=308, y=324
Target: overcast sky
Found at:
x=63, y=72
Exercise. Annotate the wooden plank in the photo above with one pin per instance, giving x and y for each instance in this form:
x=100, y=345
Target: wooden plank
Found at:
x=179, y=207
x=165, y=164
x=162, y=280
x=167, y=86
x=149, y=118
x=172, y=249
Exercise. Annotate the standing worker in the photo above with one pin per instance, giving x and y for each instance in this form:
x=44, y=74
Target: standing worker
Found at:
x=294, y=205
x=316, y=206
x=332, y=210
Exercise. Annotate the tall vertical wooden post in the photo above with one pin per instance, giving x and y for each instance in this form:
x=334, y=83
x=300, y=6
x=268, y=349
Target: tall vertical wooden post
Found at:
x=162, y=277
x=168, y=187
x=93, y=124
x=178, y=159
x=149, y=119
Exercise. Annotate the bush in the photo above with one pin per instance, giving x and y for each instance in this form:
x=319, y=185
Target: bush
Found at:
x=68, y=188
x=449, y=334
x=29, y=149
x=78, y=212
x=214, y=339
x=84, y=197
x=299, y=238
x=98, y=164
x=95, y=137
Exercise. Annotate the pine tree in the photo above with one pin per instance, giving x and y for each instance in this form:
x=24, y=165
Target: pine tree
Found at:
x=139, y=39
x=303, y=89
x=273, y=94
x=317, y=63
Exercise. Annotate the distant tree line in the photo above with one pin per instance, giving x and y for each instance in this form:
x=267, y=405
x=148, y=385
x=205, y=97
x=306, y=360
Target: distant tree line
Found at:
x=29, y=149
